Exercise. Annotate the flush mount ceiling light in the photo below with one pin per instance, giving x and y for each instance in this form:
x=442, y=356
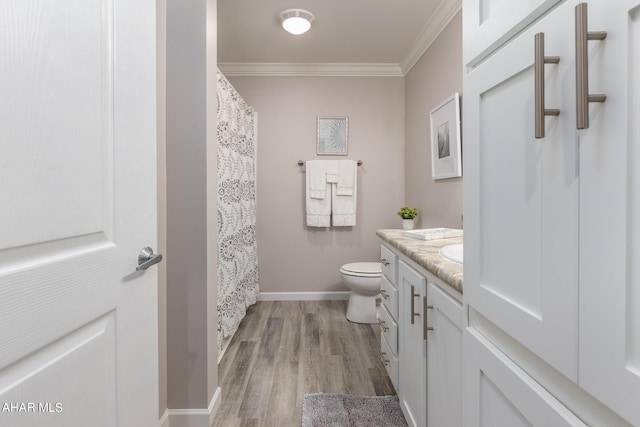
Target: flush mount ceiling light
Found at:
x=296, y=21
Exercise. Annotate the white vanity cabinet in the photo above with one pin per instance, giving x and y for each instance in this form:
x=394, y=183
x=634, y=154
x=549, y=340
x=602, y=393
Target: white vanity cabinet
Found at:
x=388, y=314
x=551, y=224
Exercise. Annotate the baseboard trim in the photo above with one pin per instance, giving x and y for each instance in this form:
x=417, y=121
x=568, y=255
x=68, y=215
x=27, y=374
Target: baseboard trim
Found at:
x=164, y=419
x=303, y=296
x=194, y=417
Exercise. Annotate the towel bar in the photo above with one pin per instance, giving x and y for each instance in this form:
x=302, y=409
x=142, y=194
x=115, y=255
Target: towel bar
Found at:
x=301, y=162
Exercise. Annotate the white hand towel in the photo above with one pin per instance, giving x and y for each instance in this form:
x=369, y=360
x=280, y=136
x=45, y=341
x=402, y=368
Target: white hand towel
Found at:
x=343, y=208
x=318, y=210
x=316, y=179
x=333, y=171
x=347, y=170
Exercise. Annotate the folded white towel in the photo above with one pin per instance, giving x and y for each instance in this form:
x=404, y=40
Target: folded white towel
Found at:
x=318, y=209
x=343, y=208
x=316, y=179
x=347, y=170
x=333, y=172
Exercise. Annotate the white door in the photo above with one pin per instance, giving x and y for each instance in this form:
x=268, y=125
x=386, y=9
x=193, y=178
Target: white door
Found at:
x=412, y=353
x=521, y=195
x=610, y=213
x=78, y=324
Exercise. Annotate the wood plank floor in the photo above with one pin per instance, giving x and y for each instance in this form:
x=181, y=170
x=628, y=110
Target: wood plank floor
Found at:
x=285, y=349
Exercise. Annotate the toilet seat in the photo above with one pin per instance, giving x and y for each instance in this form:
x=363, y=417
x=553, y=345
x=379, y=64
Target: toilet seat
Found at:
x=362, y=269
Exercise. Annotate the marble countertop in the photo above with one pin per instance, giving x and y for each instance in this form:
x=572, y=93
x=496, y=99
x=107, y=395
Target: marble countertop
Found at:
x=426, y=253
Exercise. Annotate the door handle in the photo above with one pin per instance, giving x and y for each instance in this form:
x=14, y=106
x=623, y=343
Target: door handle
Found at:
x=540, y=60
x=583, y=98
x=146, y=258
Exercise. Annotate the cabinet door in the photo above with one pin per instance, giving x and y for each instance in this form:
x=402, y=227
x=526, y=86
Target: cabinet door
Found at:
x=444, y=359
x=498, y=393
x=412, y=353
x=490, y=23
x=610, y=213
x=521, y=195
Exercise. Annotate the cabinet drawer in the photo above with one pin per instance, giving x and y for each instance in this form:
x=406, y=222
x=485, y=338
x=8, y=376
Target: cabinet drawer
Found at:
x=390, y=362
x=499, y=392
x=389, y=329
x=389, y=296
x=389, y=261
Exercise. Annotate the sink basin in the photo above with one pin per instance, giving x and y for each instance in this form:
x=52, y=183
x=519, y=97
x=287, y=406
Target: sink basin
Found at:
x=452, y=252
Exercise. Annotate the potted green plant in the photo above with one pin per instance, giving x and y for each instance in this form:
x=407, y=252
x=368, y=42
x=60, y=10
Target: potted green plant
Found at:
x=408, y=215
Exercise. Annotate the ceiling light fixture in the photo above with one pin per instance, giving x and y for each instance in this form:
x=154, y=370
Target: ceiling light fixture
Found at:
x=296, y=21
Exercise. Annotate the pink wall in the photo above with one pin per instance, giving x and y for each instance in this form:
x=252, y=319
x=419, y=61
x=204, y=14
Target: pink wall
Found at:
x=293, y=257
x=436, y=76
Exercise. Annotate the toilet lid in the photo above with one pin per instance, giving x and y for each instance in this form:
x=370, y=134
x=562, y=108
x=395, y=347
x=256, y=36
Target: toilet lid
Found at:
x=362, y=269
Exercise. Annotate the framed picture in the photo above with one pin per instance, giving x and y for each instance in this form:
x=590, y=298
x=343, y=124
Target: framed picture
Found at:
x=333, y=134
x=446, y=159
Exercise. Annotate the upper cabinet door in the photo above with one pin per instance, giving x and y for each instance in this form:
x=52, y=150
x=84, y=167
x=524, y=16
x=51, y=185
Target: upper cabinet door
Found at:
x=610, y=213
x=521, y=195
x=490, y=23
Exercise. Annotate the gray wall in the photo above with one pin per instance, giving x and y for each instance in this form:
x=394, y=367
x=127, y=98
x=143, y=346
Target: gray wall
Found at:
x=292, y=256
x=191, y=240
x=435, y=77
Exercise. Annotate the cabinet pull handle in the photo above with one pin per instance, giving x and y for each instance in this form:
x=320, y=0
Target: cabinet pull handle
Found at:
x=384, y=360
x=383, y=326
x=583, y=98
x=425, y=327
x=413, y=304
x=384, y=294
x=384, y=262
x=539, y=61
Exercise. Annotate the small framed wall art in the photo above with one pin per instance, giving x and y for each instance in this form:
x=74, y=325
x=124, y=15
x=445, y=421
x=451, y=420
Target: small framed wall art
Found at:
x=446, y=159
x=333, y=135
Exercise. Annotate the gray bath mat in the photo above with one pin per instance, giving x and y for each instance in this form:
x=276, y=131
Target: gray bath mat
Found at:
x=342, y=410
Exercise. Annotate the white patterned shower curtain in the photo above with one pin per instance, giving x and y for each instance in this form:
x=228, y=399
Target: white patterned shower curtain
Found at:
x=237, y=246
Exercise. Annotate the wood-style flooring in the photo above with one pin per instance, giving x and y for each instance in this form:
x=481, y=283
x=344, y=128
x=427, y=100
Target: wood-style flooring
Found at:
x=285, y=349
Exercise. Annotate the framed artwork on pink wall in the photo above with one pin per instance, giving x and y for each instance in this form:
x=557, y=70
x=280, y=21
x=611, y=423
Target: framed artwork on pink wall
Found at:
x=446, y=158
x=333, y=135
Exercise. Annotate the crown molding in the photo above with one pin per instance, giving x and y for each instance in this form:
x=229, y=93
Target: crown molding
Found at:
x=430, y=32
x=309, y=69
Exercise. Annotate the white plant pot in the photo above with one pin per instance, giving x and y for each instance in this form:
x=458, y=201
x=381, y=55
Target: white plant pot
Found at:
x=407, y=224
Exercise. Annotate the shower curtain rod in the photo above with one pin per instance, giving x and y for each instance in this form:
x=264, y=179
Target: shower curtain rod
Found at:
x=301, y=162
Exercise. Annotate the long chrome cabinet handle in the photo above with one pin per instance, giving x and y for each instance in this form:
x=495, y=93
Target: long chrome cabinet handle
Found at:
x=425, y=327
x=413, y=304
x=583, y=98
x=539, y=62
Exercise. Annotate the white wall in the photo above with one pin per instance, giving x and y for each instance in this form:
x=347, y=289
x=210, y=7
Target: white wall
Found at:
x=292, y=256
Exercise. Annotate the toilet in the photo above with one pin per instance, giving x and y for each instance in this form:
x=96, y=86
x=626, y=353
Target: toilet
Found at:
x=363, y=279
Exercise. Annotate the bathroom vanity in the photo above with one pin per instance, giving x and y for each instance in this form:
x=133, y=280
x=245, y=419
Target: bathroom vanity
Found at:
x=421, y=321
